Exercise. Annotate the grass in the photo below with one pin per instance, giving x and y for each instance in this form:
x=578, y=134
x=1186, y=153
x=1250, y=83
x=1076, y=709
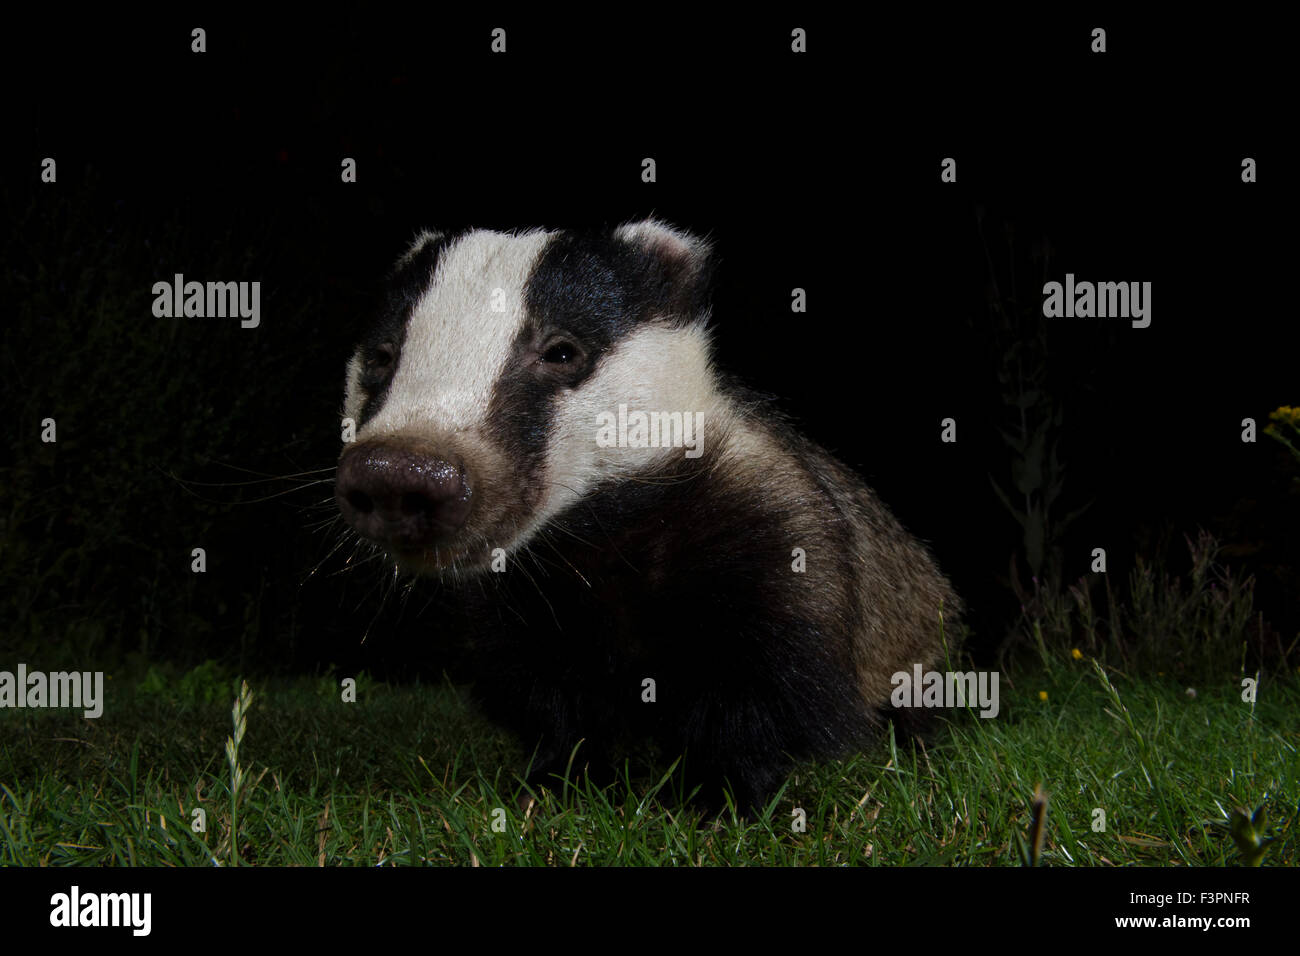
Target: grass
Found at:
x=409, y=775
x=1193, y=625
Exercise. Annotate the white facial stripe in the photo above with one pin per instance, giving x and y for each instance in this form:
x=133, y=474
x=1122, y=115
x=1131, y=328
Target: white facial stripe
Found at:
x=459, y=335
x=656, y=369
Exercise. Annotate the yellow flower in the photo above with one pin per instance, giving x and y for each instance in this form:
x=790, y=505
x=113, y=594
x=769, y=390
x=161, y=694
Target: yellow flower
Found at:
x=1077, y=654
x=1042, y=695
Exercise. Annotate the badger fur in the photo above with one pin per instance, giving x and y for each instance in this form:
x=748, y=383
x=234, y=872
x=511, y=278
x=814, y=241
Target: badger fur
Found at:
x=579, y=570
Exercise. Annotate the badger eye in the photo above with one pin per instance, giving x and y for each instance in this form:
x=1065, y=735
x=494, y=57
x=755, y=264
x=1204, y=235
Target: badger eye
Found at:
x=378, y=366
x=561, y=353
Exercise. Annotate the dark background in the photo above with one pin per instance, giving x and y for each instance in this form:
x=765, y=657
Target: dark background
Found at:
x=817, y=171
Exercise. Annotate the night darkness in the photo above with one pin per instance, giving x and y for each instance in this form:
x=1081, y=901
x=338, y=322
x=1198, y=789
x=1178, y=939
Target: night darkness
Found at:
x=819, y=172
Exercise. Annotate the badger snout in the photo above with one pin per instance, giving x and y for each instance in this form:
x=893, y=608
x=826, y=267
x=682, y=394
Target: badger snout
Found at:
x=404, y=498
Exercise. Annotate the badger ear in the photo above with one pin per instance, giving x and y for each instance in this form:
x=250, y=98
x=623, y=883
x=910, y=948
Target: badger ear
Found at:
x=414, y=267
x=422, y=239
x=678, y=265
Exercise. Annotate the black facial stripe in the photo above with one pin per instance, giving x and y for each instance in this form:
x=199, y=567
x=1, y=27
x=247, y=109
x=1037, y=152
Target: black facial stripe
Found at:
x=600, y=288
x=597, y=290
x=405, y=286
x=586, y=285
x=519, y=418
x=583, y=286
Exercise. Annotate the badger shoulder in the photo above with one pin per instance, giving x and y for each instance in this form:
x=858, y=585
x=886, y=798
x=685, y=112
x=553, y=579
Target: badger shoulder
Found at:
x=898, y=607
x=767, y=549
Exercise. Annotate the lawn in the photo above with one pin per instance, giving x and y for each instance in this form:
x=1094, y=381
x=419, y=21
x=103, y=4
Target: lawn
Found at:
x=410, y=775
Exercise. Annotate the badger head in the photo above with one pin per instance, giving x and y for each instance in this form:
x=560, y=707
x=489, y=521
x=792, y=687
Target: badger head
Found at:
x=479, y=393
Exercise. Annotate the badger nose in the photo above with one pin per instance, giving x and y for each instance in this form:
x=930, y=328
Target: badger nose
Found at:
x=400, y=497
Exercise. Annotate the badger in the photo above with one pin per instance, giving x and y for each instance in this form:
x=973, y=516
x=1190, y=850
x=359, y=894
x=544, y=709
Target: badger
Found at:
x=638, y=551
